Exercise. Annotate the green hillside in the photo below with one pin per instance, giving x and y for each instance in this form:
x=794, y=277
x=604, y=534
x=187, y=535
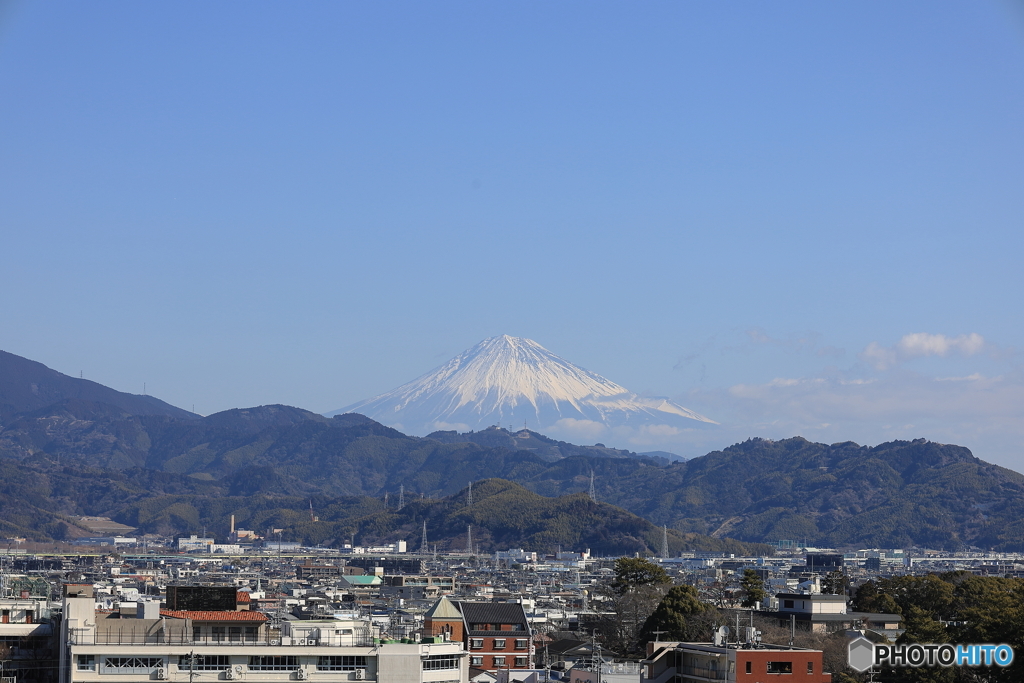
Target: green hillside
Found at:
x=896, y=494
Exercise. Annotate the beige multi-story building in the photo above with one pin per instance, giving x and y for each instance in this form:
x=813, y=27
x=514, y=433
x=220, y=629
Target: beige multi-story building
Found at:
x=208, y=646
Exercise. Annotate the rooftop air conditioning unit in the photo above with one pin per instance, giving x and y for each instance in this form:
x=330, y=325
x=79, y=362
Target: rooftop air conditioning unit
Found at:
x=302, y=641
x=229, y=674
x=360, y=674
x=161, y=674
x=275, y=641
x=300, y=674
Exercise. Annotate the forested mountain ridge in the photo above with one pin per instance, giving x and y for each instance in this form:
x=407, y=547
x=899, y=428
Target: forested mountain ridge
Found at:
x=896, y=494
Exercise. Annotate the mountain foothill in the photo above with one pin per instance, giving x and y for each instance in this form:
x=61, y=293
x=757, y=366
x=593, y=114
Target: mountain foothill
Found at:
x=69, y=447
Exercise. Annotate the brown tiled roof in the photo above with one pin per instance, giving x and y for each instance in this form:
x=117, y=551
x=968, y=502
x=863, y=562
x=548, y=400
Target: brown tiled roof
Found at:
x=213, y=615
x=242, y=596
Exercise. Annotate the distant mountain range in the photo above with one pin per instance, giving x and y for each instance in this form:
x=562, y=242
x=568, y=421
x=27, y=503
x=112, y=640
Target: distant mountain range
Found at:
x=172, y=473
x=515, y=381
x=27, y=385
x=546, y=448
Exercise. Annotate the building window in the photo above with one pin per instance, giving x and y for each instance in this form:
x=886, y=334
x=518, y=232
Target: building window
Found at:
x=516, y=627
x=267, y=663
x=197, y=633
x=86, y=662
x=780, y=667
x=217, y=633
x=499, y=643
x=522, y=643
x=203, y=662
x=130, y=665
x=438, y=662
x=810, y=667
x=476, y=661
x=787, y=604
x=521, y=662
x=476, y=643
x=340, y=663
x=499, y=661
x=749, y=668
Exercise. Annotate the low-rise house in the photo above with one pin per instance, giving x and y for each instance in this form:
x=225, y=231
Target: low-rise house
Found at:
x=826, y=613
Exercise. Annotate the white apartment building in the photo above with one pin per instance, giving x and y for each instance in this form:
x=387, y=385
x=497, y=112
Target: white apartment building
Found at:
x=213, y=646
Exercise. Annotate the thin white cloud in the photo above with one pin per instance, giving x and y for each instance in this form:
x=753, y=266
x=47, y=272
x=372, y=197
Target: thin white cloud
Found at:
x=578, y=429
x=924, y=344
x=983, y=413
x=918, y=345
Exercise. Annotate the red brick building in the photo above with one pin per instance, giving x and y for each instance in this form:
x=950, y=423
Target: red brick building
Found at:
x=496, y=634
x=703, y=662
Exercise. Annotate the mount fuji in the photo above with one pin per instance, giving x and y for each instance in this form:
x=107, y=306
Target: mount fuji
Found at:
x=516, y=381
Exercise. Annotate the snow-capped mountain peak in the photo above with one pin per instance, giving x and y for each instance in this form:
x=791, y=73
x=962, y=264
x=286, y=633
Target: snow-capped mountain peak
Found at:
x=513, y=380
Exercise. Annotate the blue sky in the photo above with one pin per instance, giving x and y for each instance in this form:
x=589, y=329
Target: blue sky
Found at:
x=749, y=207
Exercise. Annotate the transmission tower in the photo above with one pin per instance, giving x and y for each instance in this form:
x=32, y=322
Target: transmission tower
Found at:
x=423, y=543
x=401, y=496
x=469, y=496
x=593, y=493
x=469, y=539
x=664, y=541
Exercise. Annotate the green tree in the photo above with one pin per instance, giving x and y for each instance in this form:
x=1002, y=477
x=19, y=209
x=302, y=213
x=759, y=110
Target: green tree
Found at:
x=834, y=583
x=633, y=572
x=681, y=616
x=753, y=588
x=631, y=597
x=868, y=598
x=921, y=627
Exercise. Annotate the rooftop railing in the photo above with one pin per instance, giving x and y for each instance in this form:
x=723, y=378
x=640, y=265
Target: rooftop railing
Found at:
x=127, y=637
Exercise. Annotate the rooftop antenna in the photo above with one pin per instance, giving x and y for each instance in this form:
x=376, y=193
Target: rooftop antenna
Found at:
x=424, y=548
x=664, y=541
x=593, y=493
x=401, y=496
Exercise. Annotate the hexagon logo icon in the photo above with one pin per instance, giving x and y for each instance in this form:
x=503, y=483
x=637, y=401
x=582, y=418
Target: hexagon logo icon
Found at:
x=861, y=654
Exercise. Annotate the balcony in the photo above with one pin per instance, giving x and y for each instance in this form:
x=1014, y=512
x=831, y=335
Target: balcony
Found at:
x=704, y=673
x=91, y=637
